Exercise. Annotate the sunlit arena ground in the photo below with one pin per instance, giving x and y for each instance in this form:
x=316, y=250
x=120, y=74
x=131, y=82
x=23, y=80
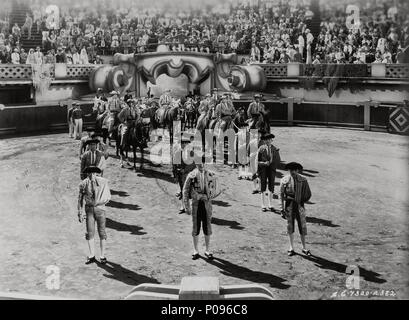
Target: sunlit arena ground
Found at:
x=357, y=216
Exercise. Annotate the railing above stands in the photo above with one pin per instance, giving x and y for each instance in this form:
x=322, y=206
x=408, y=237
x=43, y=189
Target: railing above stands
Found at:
x=375, y=70
x=59, y=71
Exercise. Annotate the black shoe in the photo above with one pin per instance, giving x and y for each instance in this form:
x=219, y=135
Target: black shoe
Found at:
x=90, y=260
x=209, y=255
x=195, y=256
x=103, y=260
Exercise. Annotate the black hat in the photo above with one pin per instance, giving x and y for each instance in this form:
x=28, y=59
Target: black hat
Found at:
x=293, y=166
x=92, y=141
x=267, y=136
x=92, y=169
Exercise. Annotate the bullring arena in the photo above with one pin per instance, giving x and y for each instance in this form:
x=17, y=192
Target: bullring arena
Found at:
x=346, y=124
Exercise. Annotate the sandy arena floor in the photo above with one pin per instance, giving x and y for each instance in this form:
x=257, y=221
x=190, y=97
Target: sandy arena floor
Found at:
x=357, y=216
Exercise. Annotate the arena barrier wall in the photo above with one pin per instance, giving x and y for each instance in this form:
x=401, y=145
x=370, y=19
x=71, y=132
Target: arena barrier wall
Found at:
x=370, y=97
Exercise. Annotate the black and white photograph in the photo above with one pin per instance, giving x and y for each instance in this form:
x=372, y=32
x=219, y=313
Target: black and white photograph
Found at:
x=206, y=150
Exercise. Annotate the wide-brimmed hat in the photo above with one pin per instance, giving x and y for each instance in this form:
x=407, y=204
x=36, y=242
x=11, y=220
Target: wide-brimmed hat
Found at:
x=293, y=166
x=267, y=136
x=92, y=169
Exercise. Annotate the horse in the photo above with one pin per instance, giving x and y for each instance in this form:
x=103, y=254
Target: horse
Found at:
x=170, y=114
x=191, y=115
x=263, y=122
x=148, y=118
x=136, y=139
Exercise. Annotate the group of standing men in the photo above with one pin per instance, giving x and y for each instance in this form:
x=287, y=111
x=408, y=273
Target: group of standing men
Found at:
x=195, y=193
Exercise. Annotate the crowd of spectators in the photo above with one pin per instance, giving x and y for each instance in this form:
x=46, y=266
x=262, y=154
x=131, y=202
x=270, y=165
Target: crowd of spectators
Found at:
x=273, y=31
x=382, y=34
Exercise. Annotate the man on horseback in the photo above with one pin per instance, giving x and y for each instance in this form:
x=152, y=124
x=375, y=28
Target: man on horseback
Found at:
x=225, y=112
x=214, y=101
x=203, y=111
x=255, y=111
x=100, y=106
x=127, y=117
x=114, y=106
x=165, y=102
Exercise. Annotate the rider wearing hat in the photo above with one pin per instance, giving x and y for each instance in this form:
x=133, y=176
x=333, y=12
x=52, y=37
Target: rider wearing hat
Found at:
x=225, y=111
x=114, y=102
x=294, y=192
x=203, y=109
x=268, y=159
x=100, y=107
x=127, y=117
x=255, y=110
x=165, y=101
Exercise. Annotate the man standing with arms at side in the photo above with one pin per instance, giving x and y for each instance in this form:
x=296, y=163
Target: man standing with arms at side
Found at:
x=268, y=159
x=77, y=115
x=196, y=187
x=295, y=191
x=94, y=193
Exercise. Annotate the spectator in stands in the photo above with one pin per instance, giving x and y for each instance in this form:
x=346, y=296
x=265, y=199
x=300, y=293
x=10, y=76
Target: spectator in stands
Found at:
x=75, y=56
x=31, y=57
x=84, y=56
x=23, y=56
x=15, y=57
x=38, y=56
x=60, y=57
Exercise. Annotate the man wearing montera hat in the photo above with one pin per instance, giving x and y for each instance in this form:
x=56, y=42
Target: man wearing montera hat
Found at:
x=94, y=193
x=255, y=110
x=197, y=188
x=92, y=157
x=84, y=139
x=181, y=170
x=267, y=159
x=295, y=191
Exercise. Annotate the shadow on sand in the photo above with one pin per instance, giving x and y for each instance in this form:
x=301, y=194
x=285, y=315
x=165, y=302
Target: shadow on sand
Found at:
x=233, y=270
x=323, y=263
x=119, y=226
x=129, y=277
x=231, y=224
x=120, y=205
